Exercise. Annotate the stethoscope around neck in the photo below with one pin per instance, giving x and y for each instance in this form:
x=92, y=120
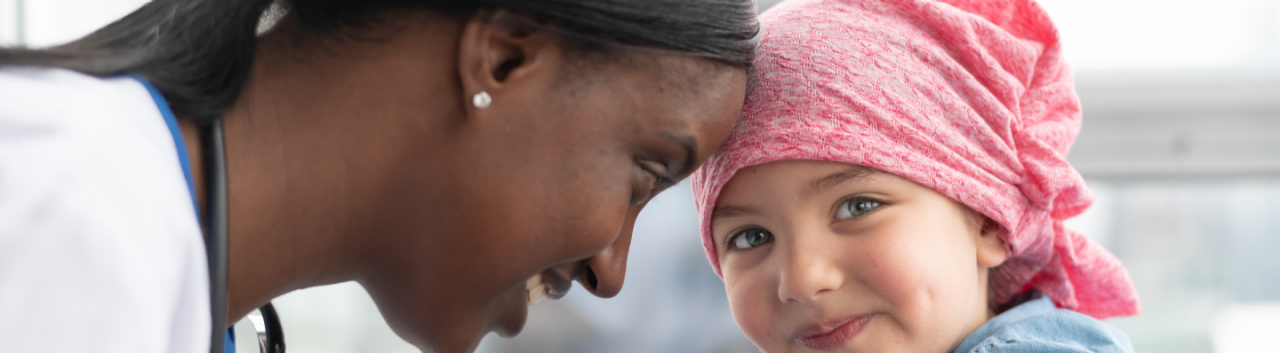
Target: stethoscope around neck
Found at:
x=265, y=321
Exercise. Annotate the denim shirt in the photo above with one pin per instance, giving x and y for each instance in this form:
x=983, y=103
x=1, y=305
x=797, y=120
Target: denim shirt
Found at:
x=1038, y=326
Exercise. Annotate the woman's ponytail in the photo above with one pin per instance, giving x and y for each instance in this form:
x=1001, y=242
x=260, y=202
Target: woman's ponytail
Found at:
x=198, y=53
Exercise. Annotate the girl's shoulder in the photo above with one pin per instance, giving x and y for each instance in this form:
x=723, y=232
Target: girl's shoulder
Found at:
x=1038, y=326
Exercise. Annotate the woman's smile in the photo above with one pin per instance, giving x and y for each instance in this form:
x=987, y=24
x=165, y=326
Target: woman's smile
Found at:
x=547, y=283
x=535, y=289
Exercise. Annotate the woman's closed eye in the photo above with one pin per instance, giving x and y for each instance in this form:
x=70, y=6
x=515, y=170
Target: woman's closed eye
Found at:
x=856, y=207
x=651, y=180
x=654, y=176
x=750, y=238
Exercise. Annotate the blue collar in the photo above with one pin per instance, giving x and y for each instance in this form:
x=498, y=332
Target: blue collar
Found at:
x=178, y=141
x=1039, y=304
x=181, y=145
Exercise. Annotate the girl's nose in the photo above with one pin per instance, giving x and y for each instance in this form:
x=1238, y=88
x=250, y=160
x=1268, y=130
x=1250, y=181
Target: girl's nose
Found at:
x=808, y=272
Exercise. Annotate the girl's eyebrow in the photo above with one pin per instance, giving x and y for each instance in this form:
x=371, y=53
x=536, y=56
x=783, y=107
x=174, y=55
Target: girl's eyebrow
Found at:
x=723, y=212
x=853, y=173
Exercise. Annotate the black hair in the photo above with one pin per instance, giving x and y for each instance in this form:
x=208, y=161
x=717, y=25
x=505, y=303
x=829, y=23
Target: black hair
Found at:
x=198, y=53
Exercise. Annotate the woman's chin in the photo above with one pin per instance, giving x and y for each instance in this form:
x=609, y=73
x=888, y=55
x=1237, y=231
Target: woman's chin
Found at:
x=456, y=332
x=459, y=340
x=507, y=321
x=514, y=314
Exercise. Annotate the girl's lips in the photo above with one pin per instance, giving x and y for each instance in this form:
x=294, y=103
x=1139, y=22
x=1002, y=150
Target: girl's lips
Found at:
x=831, y=334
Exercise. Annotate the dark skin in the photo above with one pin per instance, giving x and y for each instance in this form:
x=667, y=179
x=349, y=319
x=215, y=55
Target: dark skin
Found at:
x=364, y=160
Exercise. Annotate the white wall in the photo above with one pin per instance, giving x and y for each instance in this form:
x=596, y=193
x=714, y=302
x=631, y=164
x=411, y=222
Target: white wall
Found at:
x=11, y=25
x=1167, y=34
x=51, y=22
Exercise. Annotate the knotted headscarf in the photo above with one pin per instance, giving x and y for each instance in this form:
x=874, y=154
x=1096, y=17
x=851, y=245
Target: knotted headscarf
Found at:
x=968, y=97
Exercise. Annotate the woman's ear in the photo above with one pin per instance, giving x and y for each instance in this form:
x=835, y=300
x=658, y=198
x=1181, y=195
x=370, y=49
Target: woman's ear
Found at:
x=991, y=249
x=499, y=51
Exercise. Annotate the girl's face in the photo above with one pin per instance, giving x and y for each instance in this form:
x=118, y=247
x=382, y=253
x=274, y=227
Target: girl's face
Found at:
x=822, y=256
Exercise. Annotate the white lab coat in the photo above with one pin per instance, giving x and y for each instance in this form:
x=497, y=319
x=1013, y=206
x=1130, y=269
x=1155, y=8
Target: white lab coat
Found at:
x=100, y=246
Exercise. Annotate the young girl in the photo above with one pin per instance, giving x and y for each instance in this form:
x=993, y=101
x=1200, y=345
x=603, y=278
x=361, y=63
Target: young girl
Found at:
x=898, y=182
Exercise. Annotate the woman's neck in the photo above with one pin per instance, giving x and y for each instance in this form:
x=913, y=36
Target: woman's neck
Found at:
x=308, y=142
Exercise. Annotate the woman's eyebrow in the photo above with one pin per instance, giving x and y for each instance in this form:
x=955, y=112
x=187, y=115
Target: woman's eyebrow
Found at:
x=853, y=173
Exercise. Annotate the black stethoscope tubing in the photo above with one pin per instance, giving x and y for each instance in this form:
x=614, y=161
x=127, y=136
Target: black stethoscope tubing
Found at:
x=271, y=338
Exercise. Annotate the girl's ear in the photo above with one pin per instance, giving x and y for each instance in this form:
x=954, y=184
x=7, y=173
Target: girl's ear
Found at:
x=991, y=249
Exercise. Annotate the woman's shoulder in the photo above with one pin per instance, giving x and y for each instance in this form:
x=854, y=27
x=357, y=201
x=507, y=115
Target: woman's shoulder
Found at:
x=1038, y=326
x=97, y=151
x=97, y=227
x=89, y=166
x=40, y=104
x=56, y=94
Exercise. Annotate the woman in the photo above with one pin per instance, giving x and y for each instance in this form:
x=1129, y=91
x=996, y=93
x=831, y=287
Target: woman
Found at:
x=449, y=156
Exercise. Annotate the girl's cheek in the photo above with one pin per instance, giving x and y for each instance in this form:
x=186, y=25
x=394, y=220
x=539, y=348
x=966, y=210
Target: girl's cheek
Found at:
x=749, y=302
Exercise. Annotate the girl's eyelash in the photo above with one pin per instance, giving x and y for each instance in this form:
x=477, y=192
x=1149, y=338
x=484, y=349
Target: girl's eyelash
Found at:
x=728, y=241
x=738, y=233
x=843, y=206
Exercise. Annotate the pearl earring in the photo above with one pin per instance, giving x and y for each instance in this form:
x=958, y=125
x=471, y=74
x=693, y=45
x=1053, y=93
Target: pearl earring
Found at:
x=481, y=100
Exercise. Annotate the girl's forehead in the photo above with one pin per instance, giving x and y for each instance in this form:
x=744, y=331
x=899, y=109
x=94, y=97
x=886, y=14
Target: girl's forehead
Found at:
x=808, y=176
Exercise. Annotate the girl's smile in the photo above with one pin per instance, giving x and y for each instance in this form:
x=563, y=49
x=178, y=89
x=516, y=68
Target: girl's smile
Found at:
x=832, y=333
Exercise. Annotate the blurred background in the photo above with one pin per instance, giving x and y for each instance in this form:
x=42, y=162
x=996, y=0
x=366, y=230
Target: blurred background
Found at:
x=1181, y=144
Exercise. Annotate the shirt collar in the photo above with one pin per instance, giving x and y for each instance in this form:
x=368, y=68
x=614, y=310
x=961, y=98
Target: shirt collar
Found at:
x=1039, y=304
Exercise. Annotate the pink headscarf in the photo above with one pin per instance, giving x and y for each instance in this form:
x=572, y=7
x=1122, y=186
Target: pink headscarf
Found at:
x=968, y=97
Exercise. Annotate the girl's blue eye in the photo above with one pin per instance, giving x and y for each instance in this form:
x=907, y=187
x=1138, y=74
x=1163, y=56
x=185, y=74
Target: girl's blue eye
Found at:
x=856, y=207
x=751, y=238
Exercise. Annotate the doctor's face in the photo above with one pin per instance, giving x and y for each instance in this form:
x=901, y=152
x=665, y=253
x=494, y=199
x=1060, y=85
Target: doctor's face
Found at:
x=542, y=190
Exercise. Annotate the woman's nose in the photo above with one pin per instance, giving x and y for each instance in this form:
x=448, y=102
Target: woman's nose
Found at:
x=604, y=273
x=808, y=272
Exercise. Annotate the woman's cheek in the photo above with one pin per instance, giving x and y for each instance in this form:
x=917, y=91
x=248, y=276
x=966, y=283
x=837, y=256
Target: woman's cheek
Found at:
x=589, y=224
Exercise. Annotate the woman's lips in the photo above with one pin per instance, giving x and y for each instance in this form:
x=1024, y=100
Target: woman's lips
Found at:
x=542, y=285
x=831, y=334
x=549, y=283
x=546, y=284
x=535, y=289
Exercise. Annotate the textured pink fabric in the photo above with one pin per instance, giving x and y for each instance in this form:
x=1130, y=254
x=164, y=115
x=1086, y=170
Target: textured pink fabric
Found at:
x=968, y=97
